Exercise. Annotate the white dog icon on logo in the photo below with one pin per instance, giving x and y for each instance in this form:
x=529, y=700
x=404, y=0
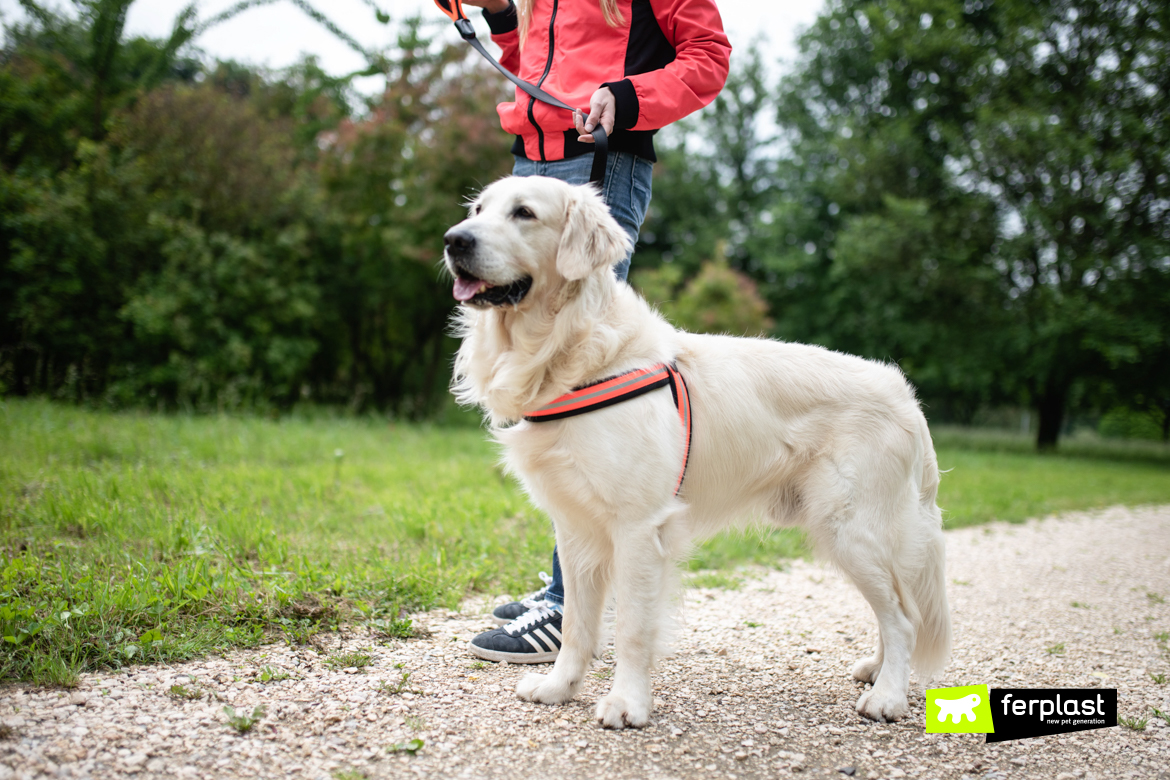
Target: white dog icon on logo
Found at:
x=958, y=708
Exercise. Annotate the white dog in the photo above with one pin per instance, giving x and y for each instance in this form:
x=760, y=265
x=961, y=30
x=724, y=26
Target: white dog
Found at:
x=782, y=433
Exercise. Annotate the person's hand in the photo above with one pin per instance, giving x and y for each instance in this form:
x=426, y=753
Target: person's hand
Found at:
x=602, y=111
x=492, y=6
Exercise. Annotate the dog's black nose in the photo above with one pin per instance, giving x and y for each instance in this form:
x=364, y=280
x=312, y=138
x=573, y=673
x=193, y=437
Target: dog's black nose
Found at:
x=459, y=242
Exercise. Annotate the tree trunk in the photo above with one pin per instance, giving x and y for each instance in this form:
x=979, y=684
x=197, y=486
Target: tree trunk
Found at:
x=1051, y=409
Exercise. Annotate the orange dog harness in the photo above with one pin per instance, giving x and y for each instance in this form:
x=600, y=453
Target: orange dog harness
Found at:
x=623, y=387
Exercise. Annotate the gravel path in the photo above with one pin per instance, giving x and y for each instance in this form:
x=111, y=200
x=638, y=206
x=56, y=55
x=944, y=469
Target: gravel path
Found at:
x=759, y=688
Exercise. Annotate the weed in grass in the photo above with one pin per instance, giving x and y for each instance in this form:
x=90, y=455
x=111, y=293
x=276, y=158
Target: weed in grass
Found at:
x=960, y=582
x=1159, y=679
x=349, y=774
x=604, y=674
x=1156, y=598
x=751, y=624
x=1117, y=630
x=298, y=632
x=1081, y=605
x=478, y=665
x=1162, y=636
x=1056, y=649
x=1163, y=715
x=272, y=674
x=395, y=628
x=242, y=721
x=415, y=722
x=396, y=687
x=351, y=660
x=180, y=691
x=411, y=747
x=715, y=579
x=1133, y=724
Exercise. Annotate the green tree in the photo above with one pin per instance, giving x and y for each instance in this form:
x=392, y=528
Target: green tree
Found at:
x=397, y=180
x=714, y=178
x=980, y=190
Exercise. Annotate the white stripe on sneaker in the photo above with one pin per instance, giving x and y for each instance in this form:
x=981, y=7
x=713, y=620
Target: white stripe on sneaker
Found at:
x=535, y=646
x=544, y=639
x=553, y=630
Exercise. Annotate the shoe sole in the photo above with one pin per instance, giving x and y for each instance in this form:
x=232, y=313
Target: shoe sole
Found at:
x=514, y=658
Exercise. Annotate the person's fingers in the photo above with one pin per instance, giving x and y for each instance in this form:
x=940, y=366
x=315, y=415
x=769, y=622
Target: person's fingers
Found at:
x=602, y=110
x=609, y=115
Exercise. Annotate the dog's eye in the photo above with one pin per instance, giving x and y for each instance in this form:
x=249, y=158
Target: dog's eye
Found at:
x=476, y=209
x=523, y=212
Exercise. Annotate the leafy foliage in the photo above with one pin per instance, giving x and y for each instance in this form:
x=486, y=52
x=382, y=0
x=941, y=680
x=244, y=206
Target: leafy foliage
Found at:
x=974, y=189
x=223, y=239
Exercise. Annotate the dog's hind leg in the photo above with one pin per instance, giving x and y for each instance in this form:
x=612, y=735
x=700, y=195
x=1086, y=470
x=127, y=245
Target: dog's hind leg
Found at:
x=644, y=553
x=866, y=551
x=585, y=587
x=889, y=669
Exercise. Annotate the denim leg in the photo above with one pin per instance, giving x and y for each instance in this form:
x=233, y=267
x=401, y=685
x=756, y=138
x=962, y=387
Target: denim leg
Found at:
x=627, y=193
x=556, y=588
x=627, y=188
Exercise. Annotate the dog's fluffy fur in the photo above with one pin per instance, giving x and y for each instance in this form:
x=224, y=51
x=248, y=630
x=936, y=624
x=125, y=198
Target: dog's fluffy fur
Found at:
x=784, y=434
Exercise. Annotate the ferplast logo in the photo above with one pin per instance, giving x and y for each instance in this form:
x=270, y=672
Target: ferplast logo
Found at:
x=1022, y=713
x=1019, y=713
x=962, y=710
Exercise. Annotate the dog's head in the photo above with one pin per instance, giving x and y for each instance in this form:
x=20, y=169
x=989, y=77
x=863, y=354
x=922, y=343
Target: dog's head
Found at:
x=526, y=233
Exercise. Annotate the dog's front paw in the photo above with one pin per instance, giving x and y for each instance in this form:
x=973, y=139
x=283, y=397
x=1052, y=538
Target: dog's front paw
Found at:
x=867, y=669
x=882, y=706
x=616, y=711
x=544, y=689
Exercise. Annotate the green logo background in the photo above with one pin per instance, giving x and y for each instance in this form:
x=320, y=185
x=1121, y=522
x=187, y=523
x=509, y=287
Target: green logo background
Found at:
x=949, y=707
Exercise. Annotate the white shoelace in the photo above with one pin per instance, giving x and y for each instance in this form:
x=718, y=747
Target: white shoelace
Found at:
x=528, y=619
x=537, y=598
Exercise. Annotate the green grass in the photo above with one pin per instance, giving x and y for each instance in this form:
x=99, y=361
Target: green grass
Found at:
x=1010, y=486
x=131, y=537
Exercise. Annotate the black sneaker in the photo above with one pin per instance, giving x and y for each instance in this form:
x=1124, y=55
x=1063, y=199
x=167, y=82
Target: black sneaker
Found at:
x=506, y=613
x=532, y=638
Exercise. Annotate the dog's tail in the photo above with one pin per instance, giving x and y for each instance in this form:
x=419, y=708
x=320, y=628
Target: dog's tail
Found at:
x=929, y=588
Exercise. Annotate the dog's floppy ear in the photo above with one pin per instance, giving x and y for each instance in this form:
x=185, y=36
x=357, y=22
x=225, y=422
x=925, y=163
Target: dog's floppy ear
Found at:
x=592, y=238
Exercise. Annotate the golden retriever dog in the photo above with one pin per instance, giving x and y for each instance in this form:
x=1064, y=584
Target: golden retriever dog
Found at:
x=782, y=434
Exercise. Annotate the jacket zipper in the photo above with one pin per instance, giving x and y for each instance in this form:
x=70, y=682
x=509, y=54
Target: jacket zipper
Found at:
x=543, y=76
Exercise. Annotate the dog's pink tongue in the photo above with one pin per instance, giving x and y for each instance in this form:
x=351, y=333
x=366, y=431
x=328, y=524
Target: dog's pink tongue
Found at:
x=466, y=289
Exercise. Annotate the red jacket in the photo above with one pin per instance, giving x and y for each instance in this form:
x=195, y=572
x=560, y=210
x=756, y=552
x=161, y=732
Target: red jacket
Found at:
x=668, y=59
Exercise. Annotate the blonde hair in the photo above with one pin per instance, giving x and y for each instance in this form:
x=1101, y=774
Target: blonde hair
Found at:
x=609, y=9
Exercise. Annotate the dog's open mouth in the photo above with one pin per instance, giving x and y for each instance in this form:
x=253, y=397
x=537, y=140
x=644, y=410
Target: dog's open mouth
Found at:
x=470, y=289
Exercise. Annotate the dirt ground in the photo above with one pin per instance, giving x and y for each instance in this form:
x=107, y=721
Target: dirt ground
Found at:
x=759, y=687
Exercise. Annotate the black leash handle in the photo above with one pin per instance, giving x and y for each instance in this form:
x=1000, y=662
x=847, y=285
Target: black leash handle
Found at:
x=600, y=138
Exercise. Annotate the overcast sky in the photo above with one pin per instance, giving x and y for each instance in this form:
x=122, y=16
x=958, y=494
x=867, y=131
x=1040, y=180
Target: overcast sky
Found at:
x=276, y=35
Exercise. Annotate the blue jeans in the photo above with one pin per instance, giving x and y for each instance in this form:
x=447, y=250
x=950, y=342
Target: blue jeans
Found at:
x=627, y=193
x=626, y=189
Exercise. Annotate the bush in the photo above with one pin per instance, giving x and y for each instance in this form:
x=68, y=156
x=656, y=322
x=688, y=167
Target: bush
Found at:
x=717, y=300
x=1125, y=423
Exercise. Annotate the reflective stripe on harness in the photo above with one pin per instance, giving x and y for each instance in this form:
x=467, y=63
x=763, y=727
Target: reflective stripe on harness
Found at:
x=623, y=387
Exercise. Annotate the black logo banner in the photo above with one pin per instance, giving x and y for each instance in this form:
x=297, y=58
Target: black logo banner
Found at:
x=1022, y=713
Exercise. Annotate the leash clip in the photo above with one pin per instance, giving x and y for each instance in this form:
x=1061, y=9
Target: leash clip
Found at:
x=465, y=28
